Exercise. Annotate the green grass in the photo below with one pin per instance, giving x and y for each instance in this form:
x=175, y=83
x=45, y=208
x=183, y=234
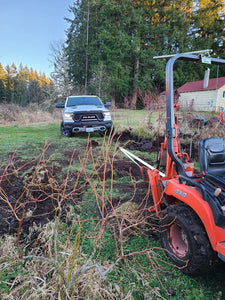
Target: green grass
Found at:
x=134, y=118
x=16, y=134
x=28, y=141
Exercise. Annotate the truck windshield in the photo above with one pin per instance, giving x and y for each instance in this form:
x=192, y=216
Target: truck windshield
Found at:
x=73, y=101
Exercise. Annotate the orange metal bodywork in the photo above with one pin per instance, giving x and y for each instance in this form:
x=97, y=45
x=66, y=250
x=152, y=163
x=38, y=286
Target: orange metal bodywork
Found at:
x=193, y=198
x=175, y=192
x=178, y=183
x=168, y=189
x=220, y=117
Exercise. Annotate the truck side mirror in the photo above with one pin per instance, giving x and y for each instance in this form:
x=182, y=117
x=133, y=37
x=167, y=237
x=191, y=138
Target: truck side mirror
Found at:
x=59, y=105
x=108, y=104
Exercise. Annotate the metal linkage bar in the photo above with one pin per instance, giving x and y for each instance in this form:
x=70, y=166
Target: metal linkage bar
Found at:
x=201, y=52
x=136, y=159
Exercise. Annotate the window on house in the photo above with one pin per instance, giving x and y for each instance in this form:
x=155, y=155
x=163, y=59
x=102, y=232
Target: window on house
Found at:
x=223, y=94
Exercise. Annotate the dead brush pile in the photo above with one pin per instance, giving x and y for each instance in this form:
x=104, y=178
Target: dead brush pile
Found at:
x=70, y=256
x=12, y=114
x=45, y=278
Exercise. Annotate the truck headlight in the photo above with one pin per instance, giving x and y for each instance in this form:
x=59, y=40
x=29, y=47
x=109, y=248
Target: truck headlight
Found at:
x=107, y=116
x=68, y=116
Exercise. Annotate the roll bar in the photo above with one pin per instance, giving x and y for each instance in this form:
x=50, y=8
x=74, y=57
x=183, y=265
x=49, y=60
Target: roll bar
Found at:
x=170, y=128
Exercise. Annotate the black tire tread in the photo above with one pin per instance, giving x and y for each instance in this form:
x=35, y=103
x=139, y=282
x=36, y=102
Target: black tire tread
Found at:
x=62, y=131
x=201, y=256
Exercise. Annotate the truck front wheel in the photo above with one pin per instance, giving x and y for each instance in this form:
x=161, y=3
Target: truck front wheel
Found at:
x=65, y=131
x=184, y=240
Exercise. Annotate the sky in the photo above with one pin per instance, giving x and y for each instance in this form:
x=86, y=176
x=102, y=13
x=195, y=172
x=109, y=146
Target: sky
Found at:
x=27, y=29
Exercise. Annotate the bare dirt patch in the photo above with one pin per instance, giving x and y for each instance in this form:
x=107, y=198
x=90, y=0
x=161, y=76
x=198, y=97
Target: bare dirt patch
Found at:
x=34, y=189
x=35, y=196
x=29, y=198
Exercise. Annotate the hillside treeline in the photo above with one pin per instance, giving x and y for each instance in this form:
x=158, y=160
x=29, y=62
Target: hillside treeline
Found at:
x=24, y=85
x=111, y=44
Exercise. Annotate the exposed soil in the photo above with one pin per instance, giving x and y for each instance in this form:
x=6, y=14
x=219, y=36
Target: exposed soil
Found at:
x=30, y=199
x=187, y=143
x=33, y=194
x=141, y=144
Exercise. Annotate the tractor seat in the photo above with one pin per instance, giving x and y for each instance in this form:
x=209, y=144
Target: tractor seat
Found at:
x=212, y=161
x=212, y=164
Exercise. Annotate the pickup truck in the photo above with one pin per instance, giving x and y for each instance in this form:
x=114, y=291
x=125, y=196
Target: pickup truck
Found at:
x=85, y=113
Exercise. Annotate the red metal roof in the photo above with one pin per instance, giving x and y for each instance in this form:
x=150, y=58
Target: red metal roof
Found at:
x=214, y=84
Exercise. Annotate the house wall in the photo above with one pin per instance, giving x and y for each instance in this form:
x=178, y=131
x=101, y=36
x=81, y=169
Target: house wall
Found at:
x=221, y=98
x=199, y=100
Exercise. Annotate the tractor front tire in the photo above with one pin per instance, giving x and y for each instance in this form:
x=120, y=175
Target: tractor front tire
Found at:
x=184, y=240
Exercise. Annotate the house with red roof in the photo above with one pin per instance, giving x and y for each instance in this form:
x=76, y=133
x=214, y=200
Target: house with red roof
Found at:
x=203, y=95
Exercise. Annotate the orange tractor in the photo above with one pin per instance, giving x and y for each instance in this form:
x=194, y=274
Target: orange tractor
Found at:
x=220, y=117
x=190, y=208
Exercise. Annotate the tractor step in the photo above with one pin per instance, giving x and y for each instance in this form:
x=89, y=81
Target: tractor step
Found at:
x=221, y=249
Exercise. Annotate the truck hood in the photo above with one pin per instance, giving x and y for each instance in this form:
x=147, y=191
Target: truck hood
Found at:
x=87, y=108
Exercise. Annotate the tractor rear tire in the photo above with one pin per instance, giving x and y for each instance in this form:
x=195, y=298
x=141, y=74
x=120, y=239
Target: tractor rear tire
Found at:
x=185, y=241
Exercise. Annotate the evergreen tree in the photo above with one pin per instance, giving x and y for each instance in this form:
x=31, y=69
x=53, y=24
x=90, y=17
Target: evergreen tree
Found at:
x=2, y=74
x=111, y=44
x=77, y=41
x=24, y=85
x=9, y=83
x=208, y=29
x=2, y=91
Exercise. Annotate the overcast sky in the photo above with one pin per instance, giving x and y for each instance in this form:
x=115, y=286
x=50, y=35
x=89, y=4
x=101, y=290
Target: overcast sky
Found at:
x=28, y=27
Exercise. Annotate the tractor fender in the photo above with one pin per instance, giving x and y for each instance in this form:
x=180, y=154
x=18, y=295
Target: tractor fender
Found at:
x=192, y=197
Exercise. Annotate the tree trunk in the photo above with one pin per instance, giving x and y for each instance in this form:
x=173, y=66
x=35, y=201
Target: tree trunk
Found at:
x=86, y=54
x=133, y=102
x=113, y=99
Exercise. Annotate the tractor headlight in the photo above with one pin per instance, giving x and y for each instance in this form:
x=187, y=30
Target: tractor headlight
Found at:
x=107, y=116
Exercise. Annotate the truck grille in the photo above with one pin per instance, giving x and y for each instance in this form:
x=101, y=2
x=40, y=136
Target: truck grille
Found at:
x=88, y=117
